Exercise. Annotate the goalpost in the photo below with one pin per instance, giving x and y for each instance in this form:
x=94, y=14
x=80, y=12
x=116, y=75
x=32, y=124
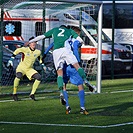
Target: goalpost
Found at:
x=34, y=17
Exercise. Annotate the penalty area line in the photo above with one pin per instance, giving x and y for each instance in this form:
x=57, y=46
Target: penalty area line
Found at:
x=70, y=93
x=65, y=125
x=26, y=99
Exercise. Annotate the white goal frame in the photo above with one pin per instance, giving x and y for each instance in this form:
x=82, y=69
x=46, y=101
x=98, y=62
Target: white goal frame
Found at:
x=99, y=65
x=99, y=59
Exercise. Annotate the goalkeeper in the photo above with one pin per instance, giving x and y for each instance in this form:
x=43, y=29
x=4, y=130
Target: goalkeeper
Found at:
x=25, y=67
x=61, y=53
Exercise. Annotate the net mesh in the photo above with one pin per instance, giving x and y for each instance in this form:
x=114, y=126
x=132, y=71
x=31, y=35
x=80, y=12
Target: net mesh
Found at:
x=27, y=17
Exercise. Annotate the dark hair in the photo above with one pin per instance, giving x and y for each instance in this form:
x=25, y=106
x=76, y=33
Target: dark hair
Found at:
x=76, y=29
x=31, y=38
x=63, y=26
x=69, y=27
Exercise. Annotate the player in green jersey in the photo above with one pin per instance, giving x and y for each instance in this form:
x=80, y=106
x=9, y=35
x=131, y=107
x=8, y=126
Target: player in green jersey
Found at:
x=62, y=52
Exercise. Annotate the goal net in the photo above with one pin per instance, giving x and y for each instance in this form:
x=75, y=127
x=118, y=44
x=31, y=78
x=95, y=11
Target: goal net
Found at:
x=24, y=19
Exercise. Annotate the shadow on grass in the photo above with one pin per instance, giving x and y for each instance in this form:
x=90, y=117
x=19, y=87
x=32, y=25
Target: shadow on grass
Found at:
x=118, y=110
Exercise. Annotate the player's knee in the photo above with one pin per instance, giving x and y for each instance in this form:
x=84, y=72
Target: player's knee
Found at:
x=60, y=66
x=37, y=76
x=19, y=75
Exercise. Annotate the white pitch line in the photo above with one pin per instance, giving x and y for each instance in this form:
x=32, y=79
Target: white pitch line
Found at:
x=65, y=125
x=24, y=99
x=121, y=91
x=2, y=101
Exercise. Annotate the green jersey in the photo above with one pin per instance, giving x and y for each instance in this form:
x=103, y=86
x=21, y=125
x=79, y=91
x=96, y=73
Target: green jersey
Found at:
x=60, y=35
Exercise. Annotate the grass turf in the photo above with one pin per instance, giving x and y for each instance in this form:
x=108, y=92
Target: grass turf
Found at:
x=107, y=108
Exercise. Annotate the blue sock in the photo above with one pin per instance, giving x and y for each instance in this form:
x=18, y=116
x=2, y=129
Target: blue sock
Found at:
x=82, y=98
x=66, y=97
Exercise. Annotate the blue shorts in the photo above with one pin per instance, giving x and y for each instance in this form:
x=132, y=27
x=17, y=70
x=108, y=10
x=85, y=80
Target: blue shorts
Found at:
x=70, y=73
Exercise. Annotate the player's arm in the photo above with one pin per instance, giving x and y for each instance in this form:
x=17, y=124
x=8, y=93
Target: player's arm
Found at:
x=10, y=61
x=40, y=59
x=49, y=47
x=76, y=36
x=46, y=51
x=38, y=38
x=76, y=46
x=17, y=51
x=80, y=40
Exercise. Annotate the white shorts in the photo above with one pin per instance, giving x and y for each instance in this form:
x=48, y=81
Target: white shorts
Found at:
x=63, y=55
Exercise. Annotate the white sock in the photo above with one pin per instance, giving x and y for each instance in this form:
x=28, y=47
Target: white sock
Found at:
x=67, y=107
x=83, y=108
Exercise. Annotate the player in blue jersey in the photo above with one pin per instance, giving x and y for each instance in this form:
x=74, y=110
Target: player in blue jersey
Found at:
x=70, y=73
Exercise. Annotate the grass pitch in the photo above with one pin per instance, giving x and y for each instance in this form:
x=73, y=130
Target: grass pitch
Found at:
x=109, y=111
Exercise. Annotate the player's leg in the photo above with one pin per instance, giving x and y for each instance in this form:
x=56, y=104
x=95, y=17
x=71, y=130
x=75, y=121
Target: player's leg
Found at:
x=65, y=80
x=16, y=82
x=83, y=75
x=60, y=86
x=76, y=79
x=82, y=100
x=36, y=83
x=58, y=62
x=81, y=96
x=60, y=79
x=33, y=74
x=71, y=59
x=68, y=109
x=80, y=70
x=15, y=86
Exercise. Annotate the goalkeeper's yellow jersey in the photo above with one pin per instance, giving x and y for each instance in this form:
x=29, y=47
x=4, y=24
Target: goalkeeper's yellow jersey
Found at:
x=28, y=56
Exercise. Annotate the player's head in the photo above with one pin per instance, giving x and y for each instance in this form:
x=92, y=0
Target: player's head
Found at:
x=63, y=26
x=68, y=26
x=33, y=44
x=76, y=29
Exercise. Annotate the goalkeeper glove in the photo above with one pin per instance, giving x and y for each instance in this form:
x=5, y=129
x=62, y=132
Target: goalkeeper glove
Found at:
x=44, y=67
x=10, y=62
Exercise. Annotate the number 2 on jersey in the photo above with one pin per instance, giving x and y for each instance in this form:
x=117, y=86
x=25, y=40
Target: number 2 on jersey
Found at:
x=61, y=33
